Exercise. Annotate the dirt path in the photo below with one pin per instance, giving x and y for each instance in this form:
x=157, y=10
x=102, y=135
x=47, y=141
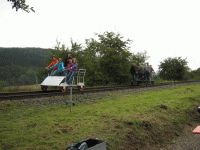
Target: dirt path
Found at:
x=187, y=140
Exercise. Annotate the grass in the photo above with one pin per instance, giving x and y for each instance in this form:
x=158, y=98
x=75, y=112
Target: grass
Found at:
x=125, y=121
x=21, y=88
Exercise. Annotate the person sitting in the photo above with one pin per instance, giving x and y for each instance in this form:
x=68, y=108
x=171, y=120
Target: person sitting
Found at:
x=72, y=71
x=60, y=68
x=67, y=59
x=69, y=65
x=53, y=62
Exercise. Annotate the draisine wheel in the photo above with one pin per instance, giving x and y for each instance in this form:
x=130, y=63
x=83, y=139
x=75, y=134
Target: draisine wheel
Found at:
x=81, y=88
x=44, y=88
x=62, y=89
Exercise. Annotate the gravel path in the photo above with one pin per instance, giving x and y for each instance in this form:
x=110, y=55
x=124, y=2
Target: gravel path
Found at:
x=187, y=141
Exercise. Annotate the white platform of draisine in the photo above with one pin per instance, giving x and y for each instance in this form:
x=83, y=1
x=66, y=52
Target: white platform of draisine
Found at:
x=53, y=81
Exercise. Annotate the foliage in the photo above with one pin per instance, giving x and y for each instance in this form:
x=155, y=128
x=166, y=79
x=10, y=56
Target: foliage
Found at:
x=173, y=68
x=139, y=58
x=21, y=4
x=26, y=57
x=194, y=74
x=107, y=58
x=2, y=84
x=114, y=57
x=20, y=66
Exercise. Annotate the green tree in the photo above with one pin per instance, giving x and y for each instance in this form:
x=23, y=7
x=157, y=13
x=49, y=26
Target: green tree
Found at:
x=139, y=58
x=19, y=66
x=173, y=68
x=21, y=4
x=90, y=62
x=107, y=58
x=114, y=57
x=62, y=51
x=194, y=74
x=3, y=84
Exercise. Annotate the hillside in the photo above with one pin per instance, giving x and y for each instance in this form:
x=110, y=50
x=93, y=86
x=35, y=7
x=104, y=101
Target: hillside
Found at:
x=21, y=65
x=27, y=57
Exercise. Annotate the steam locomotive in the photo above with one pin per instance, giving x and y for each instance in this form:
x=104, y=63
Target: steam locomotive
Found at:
x=142, y=74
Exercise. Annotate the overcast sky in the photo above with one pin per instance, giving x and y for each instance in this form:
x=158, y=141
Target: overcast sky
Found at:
x=163, y=28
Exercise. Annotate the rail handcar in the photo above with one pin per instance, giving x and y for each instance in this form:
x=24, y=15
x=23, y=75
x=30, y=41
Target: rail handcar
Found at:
x=60, y=81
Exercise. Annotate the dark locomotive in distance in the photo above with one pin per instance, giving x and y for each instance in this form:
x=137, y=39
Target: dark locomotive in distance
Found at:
x=142, y=74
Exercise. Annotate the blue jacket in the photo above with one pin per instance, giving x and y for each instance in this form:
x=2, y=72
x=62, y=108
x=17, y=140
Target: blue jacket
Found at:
x=60, y=66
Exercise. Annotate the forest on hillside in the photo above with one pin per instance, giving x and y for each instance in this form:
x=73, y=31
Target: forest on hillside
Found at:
x=20, y=66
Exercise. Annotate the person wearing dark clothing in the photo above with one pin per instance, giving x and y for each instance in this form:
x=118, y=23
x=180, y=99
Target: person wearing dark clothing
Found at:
x=72, y=71
x=133, y=71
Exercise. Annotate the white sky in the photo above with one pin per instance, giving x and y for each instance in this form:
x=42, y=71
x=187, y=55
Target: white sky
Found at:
x=164, y=28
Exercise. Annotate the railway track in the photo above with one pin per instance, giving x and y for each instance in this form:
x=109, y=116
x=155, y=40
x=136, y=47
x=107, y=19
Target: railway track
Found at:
x=37, y=94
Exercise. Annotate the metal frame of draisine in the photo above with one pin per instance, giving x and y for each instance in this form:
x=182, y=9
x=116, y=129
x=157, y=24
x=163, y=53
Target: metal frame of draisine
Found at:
x=60, y=81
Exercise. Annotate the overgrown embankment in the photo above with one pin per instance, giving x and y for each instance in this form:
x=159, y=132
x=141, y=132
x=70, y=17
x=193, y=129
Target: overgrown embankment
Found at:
x=147, y=120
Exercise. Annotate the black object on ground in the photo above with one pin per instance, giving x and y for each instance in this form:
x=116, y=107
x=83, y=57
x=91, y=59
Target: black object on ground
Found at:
x=198, y=109
x=89, y=144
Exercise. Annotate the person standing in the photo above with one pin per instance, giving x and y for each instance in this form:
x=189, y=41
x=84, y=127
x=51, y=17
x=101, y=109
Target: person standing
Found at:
x=133, y=72
x=151, y=72
x=147, y=72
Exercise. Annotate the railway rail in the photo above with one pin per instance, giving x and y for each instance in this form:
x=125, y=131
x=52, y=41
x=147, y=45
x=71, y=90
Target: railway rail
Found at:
x=37, y=94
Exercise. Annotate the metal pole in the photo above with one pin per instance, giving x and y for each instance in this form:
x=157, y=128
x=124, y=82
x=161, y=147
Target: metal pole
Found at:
x=70, y=98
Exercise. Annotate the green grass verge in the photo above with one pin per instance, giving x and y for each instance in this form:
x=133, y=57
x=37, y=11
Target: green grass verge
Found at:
x=22, y=88
x=125, y=121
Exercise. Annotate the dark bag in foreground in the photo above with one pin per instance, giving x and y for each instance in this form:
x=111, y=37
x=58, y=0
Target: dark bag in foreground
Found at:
x=89, y=144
